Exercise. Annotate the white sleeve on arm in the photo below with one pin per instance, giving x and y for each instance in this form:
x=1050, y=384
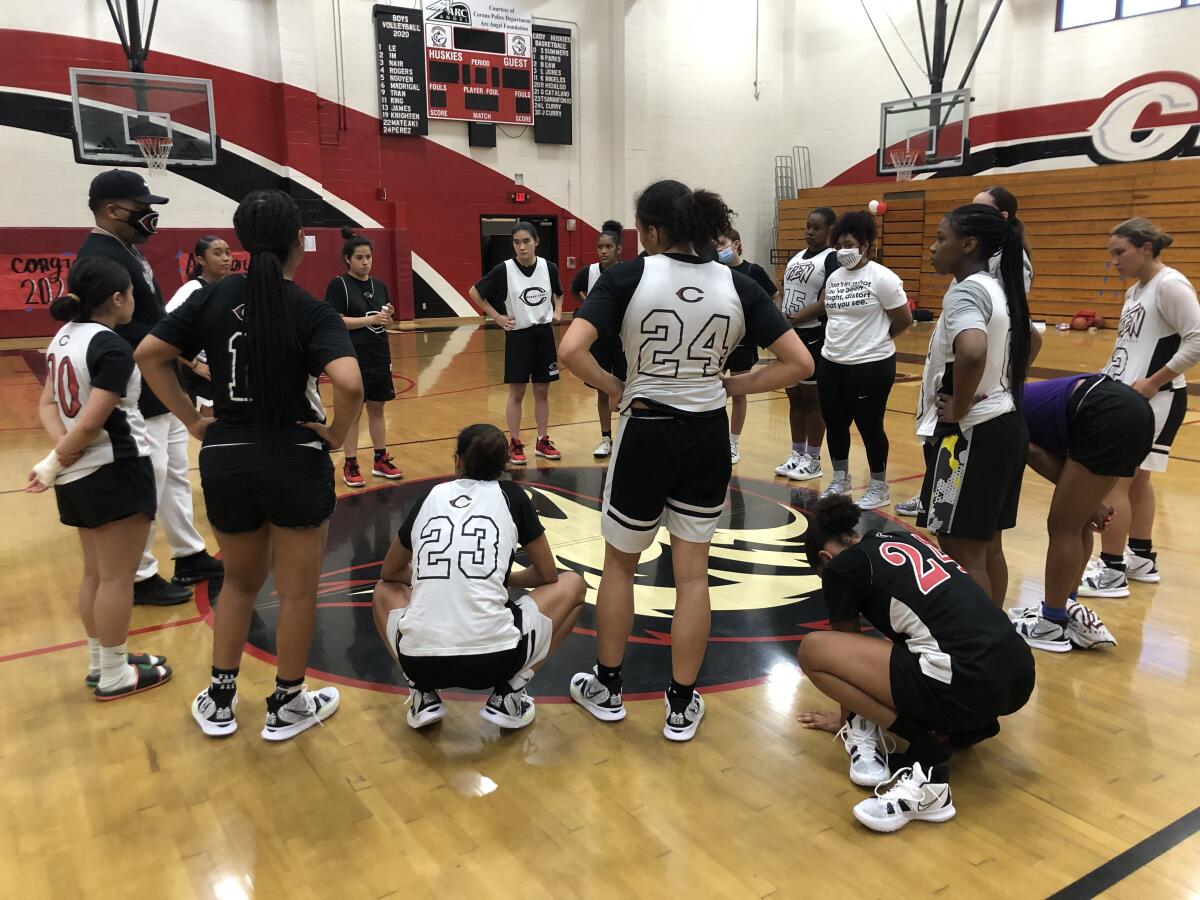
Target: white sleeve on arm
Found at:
x=1177, y=305
x=890, y=289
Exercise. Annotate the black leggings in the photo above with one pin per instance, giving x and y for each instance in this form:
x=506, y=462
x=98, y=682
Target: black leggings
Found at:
x=857, y=394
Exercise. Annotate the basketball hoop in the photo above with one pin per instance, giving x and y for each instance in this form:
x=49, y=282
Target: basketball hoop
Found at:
x=155, y=149
x=904, y=161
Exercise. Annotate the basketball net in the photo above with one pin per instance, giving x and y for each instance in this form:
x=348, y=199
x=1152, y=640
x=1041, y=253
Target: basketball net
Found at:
x=155, y=150
x=904, y=161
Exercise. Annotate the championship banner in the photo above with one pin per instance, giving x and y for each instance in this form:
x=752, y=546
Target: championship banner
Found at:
x=479, y=59
x=239, y=263
x=33, y=281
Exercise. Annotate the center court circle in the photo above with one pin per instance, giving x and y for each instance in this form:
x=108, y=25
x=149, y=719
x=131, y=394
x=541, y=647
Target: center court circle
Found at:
x=765, y=596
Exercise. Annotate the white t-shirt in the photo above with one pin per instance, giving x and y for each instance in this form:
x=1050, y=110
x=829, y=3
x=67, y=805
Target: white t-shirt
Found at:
x=856, y=304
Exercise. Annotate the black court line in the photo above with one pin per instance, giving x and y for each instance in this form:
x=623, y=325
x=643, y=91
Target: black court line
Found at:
x=1125, y=864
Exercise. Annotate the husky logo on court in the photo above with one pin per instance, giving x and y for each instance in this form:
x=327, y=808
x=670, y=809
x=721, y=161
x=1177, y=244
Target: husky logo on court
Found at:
x=534, y=296
x=453, y=11
x=765, y=596
x=690, y=294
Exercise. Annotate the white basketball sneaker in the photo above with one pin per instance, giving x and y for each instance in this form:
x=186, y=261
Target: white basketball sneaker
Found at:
x=915, y=795
x=867, y=747
x=790, y=466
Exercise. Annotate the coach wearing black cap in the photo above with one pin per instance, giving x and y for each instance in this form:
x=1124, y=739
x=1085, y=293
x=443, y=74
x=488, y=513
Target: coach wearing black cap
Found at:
x=123, y=207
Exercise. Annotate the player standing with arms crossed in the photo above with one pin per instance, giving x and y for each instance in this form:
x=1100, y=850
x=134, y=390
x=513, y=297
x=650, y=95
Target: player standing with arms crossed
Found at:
x=679, y=318
x=528, y=290
x=607, y=350
x=804, y=307
x=362, y=301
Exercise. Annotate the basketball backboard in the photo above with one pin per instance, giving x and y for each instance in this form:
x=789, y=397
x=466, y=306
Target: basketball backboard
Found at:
x=930, y=132
x=113, y=109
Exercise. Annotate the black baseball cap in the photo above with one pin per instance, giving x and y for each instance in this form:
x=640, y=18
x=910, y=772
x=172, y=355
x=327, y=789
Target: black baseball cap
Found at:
x=118, y=184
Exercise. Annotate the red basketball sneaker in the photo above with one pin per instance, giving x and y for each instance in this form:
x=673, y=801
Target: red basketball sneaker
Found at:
x=385, y=468
x=516, y=453
x=351, y=475
x=545, y=448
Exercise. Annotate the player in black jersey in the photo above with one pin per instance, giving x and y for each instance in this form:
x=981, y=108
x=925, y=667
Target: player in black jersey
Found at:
x=607, y=350
x=745, y=355
x=264, y=464
x=364, y=306
x=100, y=466
x=679, y=318
x=952, y=664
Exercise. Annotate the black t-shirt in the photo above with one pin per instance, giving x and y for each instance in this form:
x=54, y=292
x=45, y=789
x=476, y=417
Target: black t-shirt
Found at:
x=354, y=298
x=147, y=299
x=214, y=320
x=916, y=595
x=760, y=277
x=493, y=287
x=525, y=517
x=579, y=282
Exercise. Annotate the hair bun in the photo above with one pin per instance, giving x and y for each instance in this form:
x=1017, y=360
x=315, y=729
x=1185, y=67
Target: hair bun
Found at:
x=348, y=233
x=1166, y=240
x=611, y=225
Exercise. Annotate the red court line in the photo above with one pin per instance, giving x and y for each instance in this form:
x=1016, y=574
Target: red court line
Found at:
x=54, y=648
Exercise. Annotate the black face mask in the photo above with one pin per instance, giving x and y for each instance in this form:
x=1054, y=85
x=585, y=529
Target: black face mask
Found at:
x=144, y=221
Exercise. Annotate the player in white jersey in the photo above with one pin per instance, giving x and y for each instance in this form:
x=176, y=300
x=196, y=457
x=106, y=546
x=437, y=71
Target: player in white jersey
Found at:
x=213, y=262
x=528, y=291
x=607, y=350
x=679, y=318
x=100, y=466
x=1158, y=340
x=443, y=604
x=803, y=305
x=976, y=442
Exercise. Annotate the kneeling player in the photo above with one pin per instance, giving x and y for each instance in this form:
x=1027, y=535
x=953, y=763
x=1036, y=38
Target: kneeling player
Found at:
x=952, y=664
x=442, y=602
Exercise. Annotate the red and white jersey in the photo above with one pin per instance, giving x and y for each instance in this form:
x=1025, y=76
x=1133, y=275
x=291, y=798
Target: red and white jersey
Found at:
x=84, y=356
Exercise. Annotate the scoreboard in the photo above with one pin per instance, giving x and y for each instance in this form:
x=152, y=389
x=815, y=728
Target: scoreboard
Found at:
x=479, y=60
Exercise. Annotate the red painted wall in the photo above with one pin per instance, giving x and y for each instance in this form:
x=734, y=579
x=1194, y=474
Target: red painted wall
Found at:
x=392, y=265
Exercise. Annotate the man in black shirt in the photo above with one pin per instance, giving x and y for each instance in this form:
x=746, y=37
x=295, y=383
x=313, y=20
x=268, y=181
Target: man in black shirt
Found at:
x=745, y=355
x=122, y=205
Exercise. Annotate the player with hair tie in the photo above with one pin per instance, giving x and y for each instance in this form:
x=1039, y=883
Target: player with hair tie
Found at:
x=100, y=467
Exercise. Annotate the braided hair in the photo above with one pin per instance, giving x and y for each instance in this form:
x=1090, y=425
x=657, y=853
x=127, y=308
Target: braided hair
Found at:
x=996, y=234
x=267, y=223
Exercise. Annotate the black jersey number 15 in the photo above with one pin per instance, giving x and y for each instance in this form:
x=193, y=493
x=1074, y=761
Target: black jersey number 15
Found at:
x=661, y=353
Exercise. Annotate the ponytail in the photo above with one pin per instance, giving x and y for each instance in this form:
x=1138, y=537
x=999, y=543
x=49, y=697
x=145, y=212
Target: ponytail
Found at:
x=267, y=223
x=1142, y=231
x=483, y=451
x=835, y=519
x=198, y=252
x=691, y=217
x=91, y=283
x=996, y=234
x=1006, y=202
x=352, y=241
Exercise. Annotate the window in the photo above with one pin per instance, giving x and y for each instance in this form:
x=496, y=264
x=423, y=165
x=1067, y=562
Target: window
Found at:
x=1074, y=13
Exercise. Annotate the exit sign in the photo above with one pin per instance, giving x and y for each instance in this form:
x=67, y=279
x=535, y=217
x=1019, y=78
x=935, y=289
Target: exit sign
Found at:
x=519, y=196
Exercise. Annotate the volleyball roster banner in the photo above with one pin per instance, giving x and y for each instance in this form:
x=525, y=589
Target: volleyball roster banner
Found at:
x=401, y=63
x=479, y=60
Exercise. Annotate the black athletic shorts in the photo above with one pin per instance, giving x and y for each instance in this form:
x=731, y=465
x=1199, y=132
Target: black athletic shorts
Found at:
x=378, y=387
x=973, y=478
x=115, y=491
x=1110, y=427
x=610, y=355
x=965, y=703
x=246, y=486
x=814, y=340
x=743, y=358
x=530, y=355
x=665, y=469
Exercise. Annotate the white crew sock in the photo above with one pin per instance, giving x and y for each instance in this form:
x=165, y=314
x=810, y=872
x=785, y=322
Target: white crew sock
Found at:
x=93, y=655
x=115, y=671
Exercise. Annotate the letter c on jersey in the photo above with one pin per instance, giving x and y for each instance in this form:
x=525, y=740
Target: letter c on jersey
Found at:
x=460, y=501
x=694, y=297
x=534, y=296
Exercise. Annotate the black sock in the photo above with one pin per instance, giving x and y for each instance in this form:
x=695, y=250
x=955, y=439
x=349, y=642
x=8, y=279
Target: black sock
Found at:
x=610, y=677
x=1114, y=560
x=1144, y=549
x=380, y=454
x=911, y=731
x=224, y=686
x=607, y=434
x=284, y=691
x=680, y=695
x=352, y=459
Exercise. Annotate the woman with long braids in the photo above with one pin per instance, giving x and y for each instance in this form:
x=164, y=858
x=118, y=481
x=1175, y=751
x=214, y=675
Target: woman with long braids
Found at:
x=976, y=442
x=213, y=262
x=679, y=318
x=264, y=464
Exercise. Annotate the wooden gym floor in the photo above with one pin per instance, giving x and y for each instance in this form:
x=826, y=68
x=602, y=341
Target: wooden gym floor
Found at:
x=128, y=799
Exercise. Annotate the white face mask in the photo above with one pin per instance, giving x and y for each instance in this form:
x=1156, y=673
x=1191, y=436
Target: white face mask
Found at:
x=849, y=257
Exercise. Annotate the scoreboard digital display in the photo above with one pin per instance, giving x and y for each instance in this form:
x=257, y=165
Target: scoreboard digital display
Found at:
x=479, y=60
